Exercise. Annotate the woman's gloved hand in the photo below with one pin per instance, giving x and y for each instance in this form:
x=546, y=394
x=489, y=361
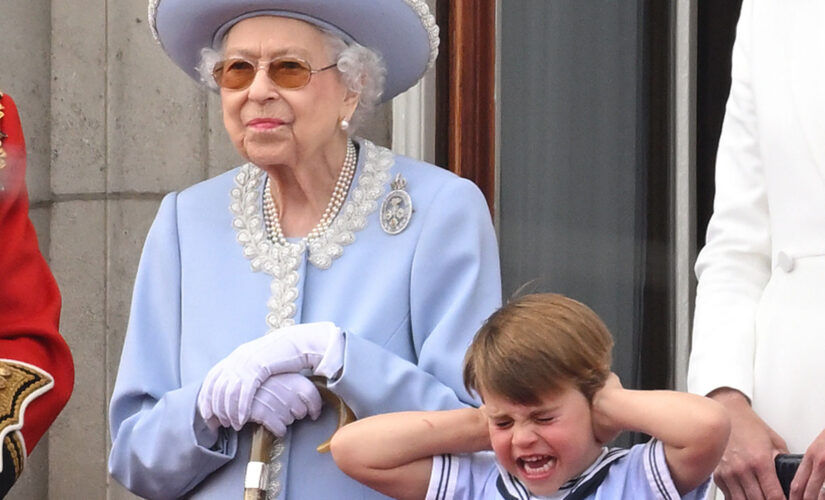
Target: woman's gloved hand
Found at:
x=229, y=388
x=278, y=402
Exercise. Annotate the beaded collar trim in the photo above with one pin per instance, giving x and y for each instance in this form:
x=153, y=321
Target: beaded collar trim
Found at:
x=281, y=261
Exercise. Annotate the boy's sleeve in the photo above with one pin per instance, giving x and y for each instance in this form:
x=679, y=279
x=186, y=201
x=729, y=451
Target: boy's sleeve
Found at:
x=647, y=466
x=459, y=477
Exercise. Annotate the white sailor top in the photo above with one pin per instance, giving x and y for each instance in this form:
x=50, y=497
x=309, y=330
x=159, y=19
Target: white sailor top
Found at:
x=409, y=300
x=638, y=473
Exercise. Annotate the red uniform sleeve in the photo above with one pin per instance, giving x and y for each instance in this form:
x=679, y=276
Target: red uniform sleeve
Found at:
x=36, y=369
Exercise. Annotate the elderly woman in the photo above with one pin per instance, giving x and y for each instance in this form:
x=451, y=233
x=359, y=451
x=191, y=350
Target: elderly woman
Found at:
x=323, y=255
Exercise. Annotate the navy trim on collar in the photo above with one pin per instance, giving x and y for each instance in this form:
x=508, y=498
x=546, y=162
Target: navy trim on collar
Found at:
x=505, y=492
x=585, y=486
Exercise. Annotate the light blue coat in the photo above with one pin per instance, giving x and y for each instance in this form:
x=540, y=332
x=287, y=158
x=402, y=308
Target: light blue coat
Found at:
x=410, y=304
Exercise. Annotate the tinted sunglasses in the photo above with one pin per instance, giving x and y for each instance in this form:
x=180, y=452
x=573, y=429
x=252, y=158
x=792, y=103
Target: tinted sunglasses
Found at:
x=285, y=72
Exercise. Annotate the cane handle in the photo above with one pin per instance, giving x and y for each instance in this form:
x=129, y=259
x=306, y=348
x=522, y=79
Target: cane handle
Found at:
x=345, y=413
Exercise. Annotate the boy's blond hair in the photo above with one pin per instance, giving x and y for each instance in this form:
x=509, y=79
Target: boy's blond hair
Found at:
x=538, y=344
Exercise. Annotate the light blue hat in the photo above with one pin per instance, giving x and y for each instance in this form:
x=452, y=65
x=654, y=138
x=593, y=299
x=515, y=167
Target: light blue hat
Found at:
x=402, y=32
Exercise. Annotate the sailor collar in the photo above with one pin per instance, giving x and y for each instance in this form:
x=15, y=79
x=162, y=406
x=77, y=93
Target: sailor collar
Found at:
x=577, y=488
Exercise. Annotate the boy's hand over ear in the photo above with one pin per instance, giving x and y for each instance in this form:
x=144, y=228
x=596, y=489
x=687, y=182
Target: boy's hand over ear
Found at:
x=605, y=427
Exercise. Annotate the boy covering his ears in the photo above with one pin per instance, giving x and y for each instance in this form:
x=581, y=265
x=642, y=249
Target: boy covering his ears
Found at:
x=541, y=365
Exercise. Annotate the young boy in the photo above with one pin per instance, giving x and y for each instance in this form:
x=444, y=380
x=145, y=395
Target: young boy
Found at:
x=541, y=365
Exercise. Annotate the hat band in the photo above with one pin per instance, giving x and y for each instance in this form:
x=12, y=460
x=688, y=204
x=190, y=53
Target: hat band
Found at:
x=217, y=40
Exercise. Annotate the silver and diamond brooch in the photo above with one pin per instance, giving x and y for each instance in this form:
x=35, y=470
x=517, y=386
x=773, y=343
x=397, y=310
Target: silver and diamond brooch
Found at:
x=396, y=209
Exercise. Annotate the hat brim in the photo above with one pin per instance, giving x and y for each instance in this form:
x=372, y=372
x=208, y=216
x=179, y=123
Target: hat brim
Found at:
x=392, y=28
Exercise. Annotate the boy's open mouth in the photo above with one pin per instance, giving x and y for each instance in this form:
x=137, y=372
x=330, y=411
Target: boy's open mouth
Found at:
x=536, y=465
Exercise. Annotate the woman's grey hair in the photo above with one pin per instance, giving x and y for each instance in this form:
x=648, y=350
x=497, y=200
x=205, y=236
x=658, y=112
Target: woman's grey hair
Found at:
x=362, y=70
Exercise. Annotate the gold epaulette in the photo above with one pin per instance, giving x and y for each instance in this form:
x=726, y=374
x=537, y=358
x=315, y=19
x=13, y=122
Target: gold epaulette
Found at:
x=20, y=384
x=14, y=449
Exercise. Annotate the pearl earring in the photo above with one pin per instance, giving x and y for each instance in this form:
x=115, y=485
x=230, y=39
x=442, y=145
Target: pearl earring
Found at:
x=344, y=124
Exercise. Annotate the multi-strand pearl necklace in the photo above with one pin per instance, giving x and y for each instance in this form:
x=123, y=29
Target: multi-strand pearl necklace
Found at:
x=339, y=194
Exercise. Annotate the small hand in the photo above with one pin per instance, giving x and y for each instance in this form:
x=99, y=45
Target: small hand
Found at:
x=747, y=471
x=807, y=484
x=612, y=383
x=604, y=429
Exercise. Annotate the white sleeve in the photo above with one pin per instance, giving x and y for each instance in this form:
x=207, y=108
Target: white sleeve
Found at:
x=653, y=476
x=735, y=264
x=463, y=477
x=443, y=477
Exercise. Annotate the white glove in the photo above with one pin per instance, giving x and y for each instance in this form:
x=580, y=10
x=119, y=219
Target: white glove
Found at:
x=283, y=399
x=229, y=387
x=279, y=401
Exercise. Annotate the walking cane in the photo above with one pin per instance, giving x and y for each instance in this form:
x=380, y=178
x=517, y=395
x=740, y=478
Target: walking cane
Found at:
x=257, y=473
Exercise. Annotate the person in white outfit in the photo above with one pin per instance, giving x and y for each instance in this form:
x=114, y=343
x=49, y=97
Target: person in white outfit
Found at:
x=759, y=328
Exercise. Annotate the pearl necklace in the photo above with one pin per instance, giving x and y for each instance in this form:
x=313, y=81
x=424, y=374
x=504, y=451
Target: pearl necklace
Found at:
x=339, y=194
